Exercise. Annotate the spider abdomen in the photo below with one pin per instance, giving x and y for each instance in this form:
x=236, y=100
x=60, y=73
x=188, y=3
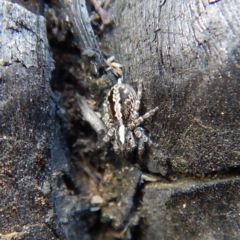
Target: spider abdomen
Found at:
x=120, y=102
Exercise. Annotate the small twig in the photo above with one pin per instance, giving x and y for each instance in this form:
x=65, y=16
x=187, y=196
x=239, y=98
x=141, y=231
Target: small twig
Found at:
x=90, y=116
x=113, y=66
x=103, y=14
x=83, y=165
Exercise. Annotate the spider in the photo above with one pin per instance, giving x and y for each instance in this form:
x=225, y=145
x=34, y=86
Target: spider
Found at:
x=122, y=118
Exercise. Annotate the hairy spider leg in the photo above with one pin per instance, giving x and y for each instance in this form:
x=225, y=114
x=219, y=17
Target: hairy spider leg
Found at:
x=116, y=147
x=140, y=133
x=137, y=102
x=106, y=117
x=141, y=144
x=131, y=141
x=110, y=125
x=143, y=138
x=138, y=121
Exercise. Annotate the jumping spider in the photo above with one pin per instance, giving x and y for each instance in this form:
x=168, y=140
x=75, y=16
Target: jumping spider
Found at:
x=122, y=118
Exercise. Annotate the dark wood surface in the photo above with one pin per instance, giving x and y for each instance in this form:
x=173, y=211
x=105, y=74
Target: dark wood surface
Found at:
x=25, y=141
x=185, y=186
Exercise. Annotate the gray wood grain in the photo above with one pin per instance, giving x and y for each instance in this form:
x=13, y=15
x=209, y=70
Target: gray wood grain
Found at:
x=25, y=133
x=188, y=56
x=85, y=36
x=187, y=53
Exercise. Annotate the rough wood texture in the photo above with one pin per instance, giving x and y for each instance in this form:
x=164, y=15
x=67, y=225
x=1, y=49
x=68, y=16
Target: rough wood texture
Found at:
x=188, y=57
x=25, y=134
x=191, y=210
x=85, y=37
x=187, y=52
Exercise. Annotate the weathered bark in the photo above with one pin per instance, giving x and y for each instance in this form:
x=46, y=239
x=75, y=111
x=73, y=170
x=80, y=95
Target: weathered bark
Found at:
x=25, y=133
x=191, y=210
x=85, y=38
x=187, y=53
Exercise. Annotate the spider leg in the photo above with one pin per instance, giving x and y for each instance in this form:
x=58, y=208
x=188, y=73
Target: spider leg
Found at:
x=131, y=142
x=139, y=120
x=112, y=134
x=141, y=146
x=116, y=146
x=139, y=96
x=137, y=101
x=106, y=118
x=109, y=135
x=143, y=139
x=109, y=123
x=140, y=133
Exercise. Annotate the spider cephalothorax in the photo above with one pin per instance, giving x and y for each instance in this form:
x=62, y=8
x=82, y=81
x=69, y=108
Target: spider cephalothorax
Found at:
x=122, y=118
